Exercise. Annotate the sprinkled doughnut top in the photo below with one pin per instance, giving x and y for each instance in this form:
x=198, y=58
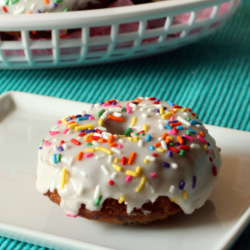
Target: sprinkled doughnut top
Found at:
x=133, y=152
x=41, y=6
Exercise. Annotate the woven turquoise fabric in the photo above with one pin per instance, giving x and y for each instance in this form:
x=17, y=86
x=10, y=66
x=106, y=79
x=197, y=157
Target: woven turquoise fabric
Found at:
x=211, y=76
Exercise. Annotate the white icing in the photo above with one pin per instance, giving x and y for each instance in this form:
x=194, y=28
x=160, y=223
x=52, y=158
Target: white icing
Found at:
x=88, y=179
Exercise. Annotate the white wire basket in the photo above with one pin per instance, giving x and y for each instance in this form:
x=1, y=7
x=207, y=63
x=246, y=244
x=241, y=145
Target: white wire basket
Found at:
x=108, y=35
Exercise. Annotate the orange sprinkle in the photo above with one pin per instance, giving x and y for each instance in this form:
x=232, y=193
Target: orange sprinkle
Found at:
x=167, y=140
x=46, y=1
x=70, y=123
x=110, y=101
x=115, y=118
x=29, y=12
x=73, y=116
x=202, y=134
x=102, y=140
x=172, y=111
x=157, y=144
x=180, y=140
x=89, y=139
x=111, y=139
x=174, y=124
x=164, y=136
x=131, y=158
x=79, y=156
x=112, y=144
x=138, y=99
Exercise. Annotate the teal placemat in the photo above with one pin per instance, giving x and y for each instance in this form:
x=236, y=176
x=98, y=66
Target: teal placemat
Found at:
x=211, y=76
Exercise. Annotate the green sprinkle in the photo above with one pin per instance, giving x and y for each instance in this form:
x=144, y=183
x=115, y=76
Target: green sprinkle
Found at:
x=171, y=143
x=89, y=144
x=58, y=1
x=58, y=157
x=142, y=134
x=97, y=201
x=14, y=1
x=187, y=118
x=123, y=109
x=182, y=152
x=99, y=114
x=7, y=2
x=128, y=131
x=42, y=142
x=66, y=10
x=188, y=132
x=136, y=134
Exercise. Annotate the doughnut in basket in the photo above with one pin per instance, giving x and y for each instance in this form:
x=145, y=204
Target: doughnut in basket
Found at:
x=126, y=162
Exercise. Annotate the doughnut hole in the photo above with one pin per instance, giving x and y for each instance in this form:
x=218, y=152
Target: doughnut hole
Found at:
x=114, y=127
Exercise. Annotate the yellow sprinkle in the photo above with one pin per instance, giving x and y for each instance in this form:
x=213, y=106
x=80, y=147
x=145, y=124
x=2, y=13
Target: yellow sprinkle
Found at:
x=184, y=195
x=184, y=110
x=205, y=146
x=133, y=122
x=121, y=199
x=100, y=122
x=116, y=160
x=146, y=161
x=174, y=200
x=117, y=167
x=166, y=116
x=85, y=126
x=106, y=150
x=88, y=135
x=138, y=170
x=72, y=125
x=160, y=150
x=132, y=173
x=161, y=110
x=63, y=119
x=141, y=184
x=145, y=127
x=170, y=137
x=130, y=138
x=64, y=176
x=136, y=138
x=176, y=110
x=121, y=135
x=90, y=150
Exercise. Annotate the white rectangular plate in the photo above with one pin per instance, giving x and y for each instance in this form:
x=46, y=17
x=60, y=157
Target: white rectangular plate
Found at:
x=27, y=215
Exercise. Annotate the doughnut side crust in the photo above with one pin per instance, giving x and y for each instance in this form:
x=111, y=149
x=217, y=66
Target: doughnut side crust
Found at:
x=115, y=213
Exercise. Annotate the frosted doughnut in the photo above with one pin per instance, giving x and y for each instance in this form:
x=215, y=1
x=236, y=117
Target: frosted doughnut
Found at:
x=41, y=6
x=132, y=153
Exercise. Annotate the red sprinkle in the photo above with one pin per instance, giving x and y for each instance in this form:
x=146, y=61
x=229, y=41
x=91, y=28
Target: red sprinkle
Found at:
x=214, y=170
x=81, y=134
x=61, y=142
x=184, y=147
x=111, y=183
x=123, y=160
x=155, y=154
x=189, y=109
x=4, y=9
x=74, y=141
x=210, y=158
x=177, y=107
x=173, y=149
x=98, y=130
x=94, y=137
x=151, y=98
x=155, y=102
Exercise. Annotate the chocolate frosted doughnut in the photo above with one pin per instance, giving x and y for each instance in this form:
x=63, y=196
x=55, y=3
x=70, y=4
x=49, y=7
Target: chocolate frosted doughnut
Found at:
x=128, y=162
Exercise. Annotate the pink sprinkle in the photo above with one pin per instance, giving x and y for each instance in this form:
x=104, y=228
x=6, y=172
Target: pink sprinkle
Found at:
x=153, y=175
x=208, y=151
x=53, y=132
x=58, y=122
x=71, y=215
x=119, y=146
x=106, y=104
x=87, y=155
x=171, y=118
x=190, y=138
x=47, y=143
x=128, y=178
x=201, y=139
x=65, y=131
x=91, y=117
x=172, y=132
x=116, y=106
x=128, y=108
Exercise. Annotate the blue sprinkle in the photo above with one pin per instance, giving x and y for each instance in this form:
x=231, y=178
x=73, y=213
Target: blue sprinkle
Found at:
x=148, y=137
x=86, y=115
x=194, y=182
x=179, y=127
x=54, y=5
x=87, y=131
x=165, y=165
x=167, y=126
x=173, y=121
x=54, y=158
x=82, y=118
x=113, y=103
x=191, y=130
x=182, y=185
x=194, y=122
x=151, y=147
x=170, y=103
x=78, y=116
x=136, y=103
x=170, y=153
x=60, y=148
x=40, y=147
x=68, y=119
x=38, y=11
